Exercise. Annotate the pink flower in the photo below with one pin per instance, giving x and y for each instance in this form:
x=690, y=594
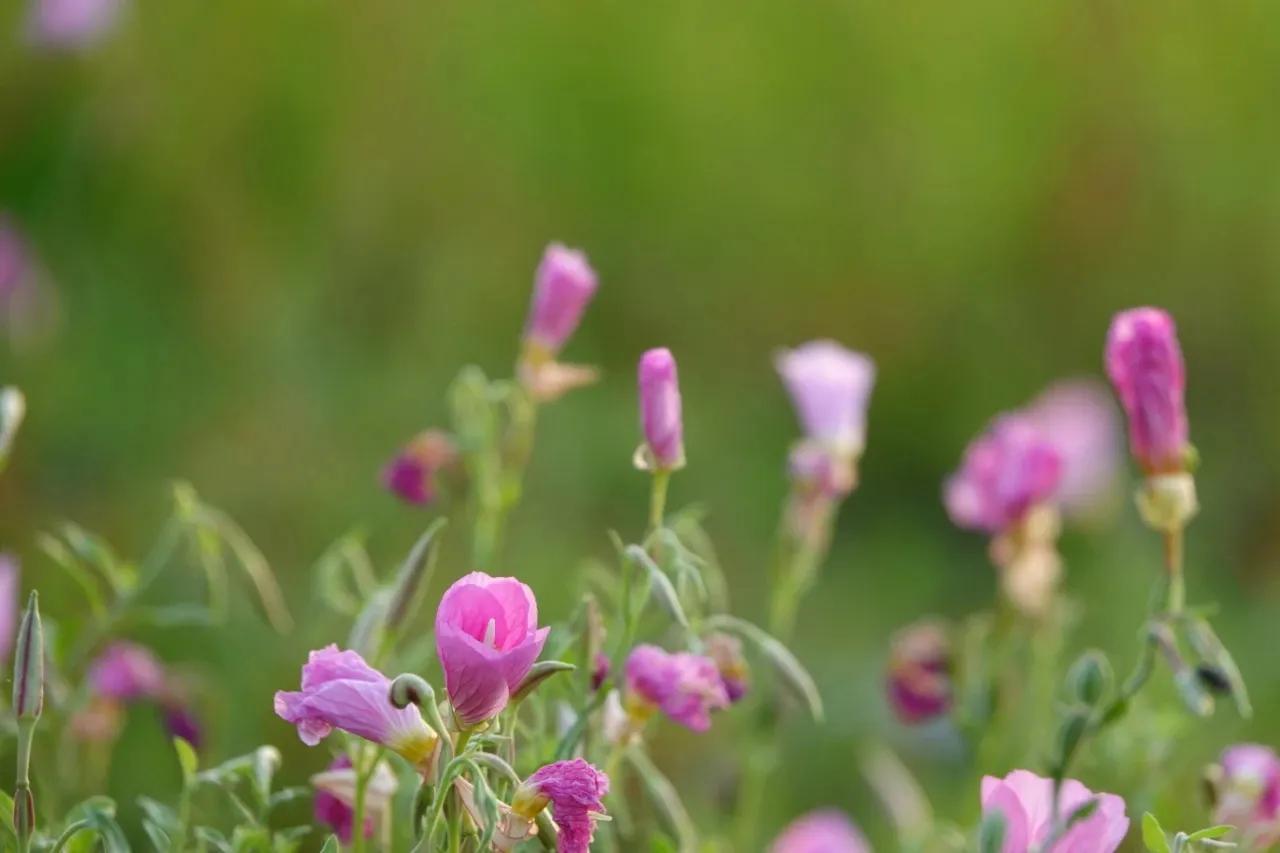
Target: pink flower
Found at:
x=1248, y=793
x=71, y=23
x=1006, y=471
x=411, y=475
x=686, y=687
x=563, y=286
x=1026, y=802
x=1078, y=418
x=180, y=721
x=10, y=588
x=1144, y=362
x=127, y=671
x=660, y=409
x=574, y=789
x=600, y=670
x=830, y=386
x=341, y=691
x=821, y=831
x=488, y=638
x=919, y=679
x=332, y=811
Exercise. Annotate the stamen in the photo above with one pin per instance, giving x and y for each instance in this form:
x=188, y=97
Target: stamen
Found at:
x=491, y=633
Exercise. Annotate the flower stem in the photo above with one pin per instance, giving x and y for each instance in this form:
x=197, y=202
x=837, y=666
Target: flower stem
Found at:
x=658, y=498
x=357, y=818
x=1173, y=565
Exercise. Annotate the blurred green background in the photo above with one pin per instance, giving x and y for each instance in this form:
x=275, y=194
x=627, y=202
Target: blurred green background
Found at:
x=279, y=228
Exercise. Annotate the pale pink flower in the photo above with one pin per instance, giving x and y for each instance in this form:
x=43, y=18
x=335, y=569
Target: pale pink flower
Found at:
x=660, y=409
x=10, y=590
x=1026, y=802
x=821, y=831
x=127, y=671
x=831, y=387
x=1144, y=362
x=686, y=687
x=1079, y=419
x=71, y=23
x=1248, y=793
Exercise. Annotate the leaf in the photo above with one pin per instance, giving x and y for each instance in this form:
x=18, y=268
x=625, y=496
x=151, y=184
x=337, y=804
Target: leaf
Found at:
x=665, y=799
x=288, y=840
x=6, y=815
x=187, y=760
x=159, y=814
x=1210, y=832
x=1153, y=836
x=991, y=833
x=413, y=577
x=661, y=586
x=786, y=664
x=330, y=845
x=540, y=672
x=158, y=837
x=213, y=838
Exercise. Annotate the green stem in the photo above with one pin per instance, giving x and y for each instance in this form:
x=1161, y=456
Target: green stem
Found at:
x=658, y=498
x=22, y=786
x=1173, y=565
x=364, y=772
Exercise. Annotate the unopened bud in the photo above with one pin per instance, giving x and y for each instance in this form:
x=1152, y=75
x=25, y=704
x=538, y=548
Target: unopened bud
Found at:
x=410, y=689
x=28, y=664
x=24, y=812
x=1090, y=678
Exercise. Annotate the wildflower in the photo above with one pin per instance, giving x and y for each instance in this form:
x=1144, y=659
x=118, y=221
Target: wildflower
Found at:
x=1247, y=792
x=830, y=386
x=735, y=674
x=341, y=691
x=487, y=637
x=1005, y=472
x=412, y=474
x=1144, y=362
x=821, y=831
x=919, y=679
x=1026, y=802
x=9, y=590
x=336, y=794
x=180, y=721
x=574, y=790
x=562, y=288
x=1077, y=417
x=600, y=670
x=686, y=687
x=125, y=672
x=71, y=23
x=660, y=415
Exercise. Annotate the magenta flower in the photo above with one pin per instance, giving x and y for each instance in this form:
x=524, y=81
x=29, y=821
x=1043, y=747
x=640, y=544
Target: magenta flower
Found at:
x=1006, y=471
x=1248, y=794
x=71, y=23
x=488, y=638
x=919, y=678
x=10, y=590
x=330, y=809
x=574, y=789
x=600, y=670
x=341, y=691
x=1144, y=362
x=127, y=671
x=1026, y=802
x=660, y=410
x=180, y=721
x=686, y=687
x=821, y=831
x=830, y=386
x=411, y=475
x=563, y=286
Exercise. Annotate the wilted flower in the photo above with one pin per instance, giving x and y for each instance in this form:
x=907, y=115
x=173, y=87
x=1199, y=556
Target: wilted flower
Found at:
x=660, y=410
x=1078, y=418
x=341, y=691
x=71, y=23
x=562, y=287
x=180, y=721
x=600, y=670
x=1247, y=791
x=735, y=673
x=127, y=671
x=1026, y=802
x=830, y=386
x=686, y=687
x=336, y=794
x=1144, y=362
x=919, y=677
x=488, y=638
x=10, y=583
x=574, y=789
x=411, y=474
x=1006, y=471
x=821, y=831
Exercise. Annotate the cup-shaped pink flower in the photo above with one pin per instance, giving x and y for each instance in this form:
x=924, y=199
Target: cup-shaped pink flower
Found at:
x=1248, y=793
x=660, y=410
x=488, y=638
x=127, y=671
x=1026, y=802
x=71, y=23
x=685, y=686
x=1144, y=362
x=830, y=387
x=341, y=691
x=821, y=831
x=562, y=288
x=919, y=678
x=1006, y=471
x=574, y=790
x=10, y=583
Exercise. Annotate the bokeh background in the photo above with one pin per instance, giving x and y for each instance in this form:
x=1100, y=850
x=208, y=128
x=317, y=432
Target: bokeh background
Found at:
x=276, y=230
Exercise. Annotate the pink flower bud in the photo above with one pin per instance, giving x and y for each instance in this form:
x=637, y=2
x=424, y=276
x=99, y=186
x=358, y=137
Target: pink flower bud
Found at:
x=822, y=831
x=919, y=678
x=1026, y=802
x=126, y=672
x=1248, y=794
x=341, y=691
x=412, y=474
x=830, y=386
x=574, y=789
x=686, y=687
x=487, y=637
x=71, y=23
x=1144, y=362
x=660, y=414
x=1006, y=471
x=600, y=670
x=10, y=589
x=563, y=286
x=1079, y=419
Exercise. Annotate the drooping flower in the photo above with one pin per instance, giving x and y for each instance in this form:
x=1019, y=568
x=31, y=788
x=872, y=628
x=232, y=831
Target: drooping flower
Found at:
x=600, y=670
x=336, y=793
x=71, y=23
x=488, y=638
x=660, y=410
x=1247, y=793
x=685, y=686
x=574, y=789
x=341, y=691
x=1026, y=802
x=735, y=673
x=1144, y=362
x=821, y=831
x=830, y=386
x=126, y=672
x=1079, y=419
x=919, y=677
x=562, y=288
x=1005, y=472
x=411, y=475
x=10, y=590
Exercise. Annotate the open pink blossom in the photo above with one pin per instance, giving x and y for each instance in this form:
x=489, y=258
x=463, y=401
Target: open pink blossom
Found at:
x=10, y=583
x=1005, y=472
x=341, y=691
x=1078, y=417
x=562, y=288
x=574, y=789
x=830, y=386
x=660, y=409
x=1026, y=802
x=821, y=831
x=686, y=687
x=127, y=671
x=1144, y=362
x=488, y=638
x=1248, y=793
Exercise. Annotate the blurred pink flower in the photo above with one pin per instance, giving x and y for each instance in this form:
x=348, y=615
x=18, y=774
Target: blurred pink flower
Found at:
x=10, y=590
x=487, y=637
x=28, y=304
x=333, y=811
x=660, y=409
x=562, y=287
x=71, y=23
x=821, y=831
x=411, y=474
x=1026, y=802
x=1144, y=362
x=919, y=677
x=574, y=789
x=830, y=386
x=1005, y=472
x=1248, y=793
x=1078, y=418
x=127, y=671
x=686, y=687
x=600, y=670
x=726, y=651
x=341, y=691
